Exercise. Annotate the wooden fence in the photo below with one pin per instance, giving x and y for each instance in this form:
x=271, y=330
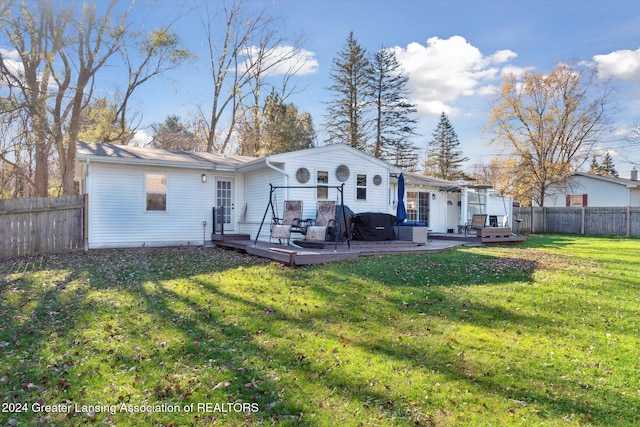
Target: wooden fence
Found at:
x=41, y=225
x=617, y=221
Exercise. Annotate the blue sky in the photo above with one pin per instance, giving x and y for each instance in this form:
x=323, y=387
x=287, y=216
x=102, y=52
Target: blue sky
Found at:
x=454, y=51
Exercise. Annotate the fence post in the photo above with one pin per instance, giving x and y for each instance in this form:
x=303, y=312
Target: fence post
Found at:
x=533, y=227
x=582, y=217
x=628, y=221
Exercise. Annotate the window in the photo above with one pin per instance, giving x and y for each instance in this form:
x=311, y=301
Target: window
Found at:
x=576, y=200
x=322, y=181
x=476, y=202
x=417, y=206
x=156, y=190
x=361, y=187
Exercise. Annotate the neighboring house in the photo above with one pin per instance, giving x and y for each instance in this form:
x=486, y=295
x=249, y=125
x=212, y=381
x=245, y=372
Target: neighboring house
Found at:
x=585, y=189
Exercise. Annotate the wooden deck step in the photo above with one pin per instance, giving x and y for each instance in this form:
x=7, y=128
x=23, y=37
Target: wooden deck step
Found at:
x=228, y=237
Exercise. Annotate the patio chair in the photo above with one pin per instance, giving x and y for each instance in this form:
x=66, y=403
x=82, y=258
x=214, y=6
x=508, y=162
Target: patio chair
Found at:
x=281, y=228
x=478, y=222
x=324, y=224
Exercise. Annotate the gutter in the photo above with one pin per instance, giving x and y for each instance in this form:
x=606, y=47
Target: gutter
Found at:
x=159, y=163
x=268, y=163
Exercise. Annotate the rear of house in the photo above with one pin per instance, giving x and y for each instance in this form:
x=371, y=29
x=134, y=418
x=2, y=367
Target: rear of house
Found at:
x=313, y=175
x=149, y=197
x=144, y=197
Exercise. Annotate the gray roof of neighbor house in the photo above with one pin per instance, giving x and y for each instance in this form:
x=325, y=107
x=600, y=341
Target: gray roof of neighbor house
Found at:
x=113, y=153
x=629, y=183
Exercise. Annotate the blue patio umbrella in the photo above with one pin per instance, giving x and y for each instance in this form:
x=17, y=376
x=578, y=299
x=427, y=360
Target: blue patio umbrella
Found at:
x=401, y=211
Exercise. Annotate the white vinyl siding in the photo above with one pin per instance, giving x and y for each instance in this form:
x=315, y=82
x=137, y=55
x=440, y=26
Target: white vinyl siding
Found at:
x=117, y=207
x=328, y=159
x=600, y=193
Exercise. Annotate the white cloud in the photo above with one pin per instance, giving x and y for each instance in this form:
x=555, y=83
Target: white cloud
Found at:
x=445, y=69
x=285, y=60
x=621, y=64
x=10, y=54
x=517, y=71
x=11, y=60
x=141, y=138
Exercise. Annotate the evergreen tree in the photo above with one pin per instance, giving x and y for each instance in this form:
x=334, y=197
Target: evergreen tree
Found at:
x=280, y=128
x=172, y=134
x=595, y=167
x=394, y=125
x=348, y=120
x=284, y=129
x=445, y=158
x=606, y=168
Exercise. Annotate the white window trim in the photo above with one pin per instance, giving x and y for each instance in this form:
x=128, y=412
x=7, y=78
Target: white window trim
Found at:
x=365, y=186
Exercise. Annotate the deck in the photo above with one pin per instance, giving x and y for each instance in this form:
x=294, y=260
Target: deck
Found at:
x=295, y=255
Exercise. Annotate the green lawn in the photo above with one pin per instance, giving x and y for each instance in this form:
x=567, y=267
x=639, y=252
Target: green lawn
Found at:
x=544, y=333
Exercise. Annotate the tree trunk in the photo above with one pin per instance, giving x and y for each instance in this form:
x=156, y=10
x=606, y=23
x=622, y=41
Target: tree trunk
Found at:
x=42, y=170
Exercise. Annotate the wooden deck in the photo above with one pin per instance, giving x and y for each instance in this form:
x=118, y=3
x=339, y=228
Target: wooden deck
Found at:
x=486, y=238
x=295, y=255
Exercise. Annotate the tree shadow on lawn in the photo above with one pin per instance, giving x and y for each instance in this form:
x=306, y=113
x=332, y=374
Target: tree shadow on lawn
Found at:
x=596, y=403
x=109, y=332
x=146, y=324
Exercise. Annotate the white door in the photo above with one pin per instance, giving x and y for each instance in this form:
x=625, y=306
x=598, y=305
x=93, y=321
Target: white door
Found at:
x=226, y=204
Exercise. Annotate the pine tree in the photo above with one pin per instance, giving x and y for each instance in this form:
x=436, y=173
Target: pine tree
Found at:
x=606, y=168
x=284, y=128
x=393, y=121
x=445, y=157
x=595, y=167
x=348, y=120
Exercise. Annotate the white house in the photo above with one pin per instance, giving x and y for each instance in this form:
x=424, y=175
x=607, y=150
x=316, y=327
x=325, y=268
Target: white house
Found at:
x=149, y=197
x=585, y=189
x=311, y=175
x=140, y=196
x=444, y=205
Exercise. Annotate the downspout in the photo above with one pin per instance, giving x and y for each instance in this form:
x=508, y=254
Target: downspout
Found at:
x=85, y=205
x=275, y=168
x=85, y=174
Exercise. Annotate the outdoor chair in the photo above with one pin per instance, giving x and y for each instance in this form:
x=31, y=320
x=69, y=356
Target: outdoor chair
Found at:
x=324, y=224
x=478, y=222
x=281, y=228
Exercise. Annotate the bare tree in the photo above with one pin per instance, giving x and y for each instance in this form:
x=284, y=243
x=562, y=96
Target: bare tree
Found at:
x=156, y=53
x=550, y=123
x=249, y=50
x=60, y=55
x=633, y=133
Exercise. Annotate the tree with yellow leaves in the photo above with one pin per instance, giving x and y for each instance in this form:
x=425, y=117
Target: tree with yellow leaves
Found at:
x=549, y=123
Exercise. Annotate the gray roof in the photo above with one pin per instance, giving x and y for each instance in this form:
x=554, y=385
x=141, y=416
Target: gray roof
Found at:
x=412, y=178
x=622, y=181
x=153, y=156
